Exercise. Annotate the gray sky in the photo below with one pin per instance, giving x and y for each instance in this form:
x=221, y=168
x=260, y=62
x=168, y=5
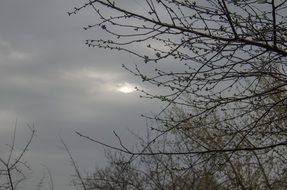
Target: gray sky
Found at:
x=48, y=77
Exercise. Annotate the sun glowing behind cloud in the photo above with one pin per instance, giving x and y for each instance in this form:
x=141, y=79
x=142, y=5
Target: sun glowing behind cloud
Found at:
x=94, y=81
x=126, y=88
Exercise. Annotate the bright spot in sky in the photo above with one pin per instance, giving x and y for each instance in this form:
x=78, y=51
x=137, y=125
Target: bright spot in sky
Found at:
x=126, y=88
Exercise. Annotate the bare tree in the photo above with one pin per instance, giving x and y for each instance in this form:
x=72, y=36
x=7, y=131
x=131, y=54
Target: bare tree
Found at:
x=169, y=162
x=12, y=165
x=224, y=88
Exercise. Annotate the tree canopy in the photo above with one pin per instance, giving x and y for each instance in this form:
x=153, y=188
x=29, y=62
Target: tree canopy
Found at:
x=224, y=88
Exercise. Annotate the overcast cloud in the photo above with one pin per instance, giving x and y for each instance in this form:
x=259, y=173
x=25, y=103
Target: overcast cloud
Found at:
x=49, y=78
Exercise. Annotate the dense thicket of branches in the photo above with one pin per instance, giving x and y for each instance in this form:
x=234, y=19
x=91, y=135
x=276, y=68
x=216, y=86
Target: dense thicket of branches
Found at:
x=225, y=92
x=178, y=161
